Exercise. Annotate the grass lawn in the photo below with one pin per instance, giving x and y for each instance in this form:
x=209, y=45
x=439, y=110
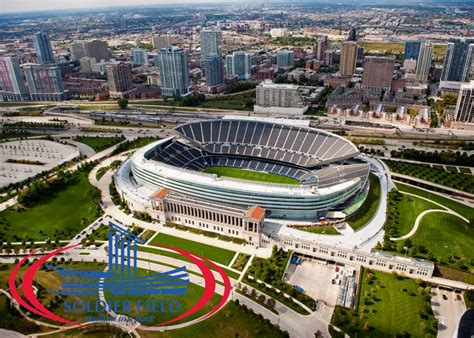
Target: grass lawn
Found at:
x=390, y=306
x=99, y=107
x=446, y=235
x=465, y=170
x=235, y=102
x=369, y=208
x=326, y=230
x=408, y=208
x=215, y=254
x=99, y=143
x=158, y=251
x=250, y=175
x=460, y=208
x=61, y=215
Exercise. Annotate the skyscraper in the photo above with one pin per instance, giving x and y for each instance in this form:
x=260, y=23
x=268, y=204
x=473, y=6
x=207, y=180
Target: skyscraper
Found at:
x=320, y=47
x=210, y=43
x=424, y=61
x=119, y=78
x=458, y=62
x=160, y=41
x=174, y=72
x=285, y=58
x=238, y=63
x=43, y=49
x=45, y=82
x=12, y=86
x=348, y=58
x=465, y=104
x=213, y=70
x=98, y=50
x=140, y=57
x=378, y=73
x=412, y=50
x=77, y=51
x=352, y=36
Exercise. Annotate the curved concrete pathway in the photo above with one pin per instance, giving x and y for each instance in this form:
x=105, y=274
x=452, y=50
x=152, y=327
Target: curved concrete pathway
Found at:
x=421, y=215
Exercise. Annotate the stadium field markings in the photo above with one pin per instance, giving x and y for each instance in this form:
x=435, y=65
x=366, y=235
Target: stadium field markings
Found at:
x=250, y=175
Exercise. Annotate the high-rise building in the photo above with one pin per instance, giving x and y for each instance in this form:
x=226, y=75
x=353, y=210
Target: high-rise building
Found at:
x=119, y=78
x=282, y=98
x=352, y=36
x=348, y=58
x=412, y=50
x=238, y=64
x=140, y=57
x=77, y=51
x=458, y=62
x=213, y=70
x=87, y=64
x=465, y=104
x=45, y=82
x=320, y=47
x=210, y=43
x=44, y=51
x=12, y=85
x=423, y=63
x=160, y=41
x=378, y=73
x=285, y=59
x=98, y=50
x=174, y=74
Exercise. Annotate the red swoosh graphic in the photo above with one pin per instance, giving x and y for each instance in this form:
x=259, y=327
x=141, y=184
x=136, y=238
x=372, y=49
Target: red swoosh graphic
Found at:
x=37, y=307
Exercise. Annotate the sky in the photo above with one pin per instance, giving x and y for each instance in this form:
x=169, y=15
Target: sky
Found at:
x=34, y=5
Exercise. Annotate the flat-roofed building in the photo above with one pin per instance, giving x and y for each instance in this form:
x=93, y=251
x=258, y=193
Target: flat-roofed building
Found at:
x=465, y=103
x=378, y=73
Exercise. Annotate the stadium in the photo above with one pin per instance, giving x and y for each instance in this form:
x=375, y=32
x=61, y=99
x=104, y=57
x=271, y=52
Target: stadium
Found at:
x=292, y=171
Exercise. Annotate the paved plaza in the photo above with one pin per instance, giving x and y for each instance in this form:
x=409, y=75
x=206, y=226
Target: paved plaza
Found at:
x=36, y=155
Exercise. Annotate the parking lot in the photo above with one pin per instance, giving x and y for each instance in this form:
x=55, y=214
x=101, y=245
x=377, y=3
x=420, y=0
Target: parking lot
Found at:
x=448, y=308
x=315, y=278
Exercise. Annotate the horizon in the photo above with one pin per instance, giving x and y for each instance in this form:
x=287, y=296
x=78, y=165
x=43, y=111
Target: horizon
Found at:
x=32, y=6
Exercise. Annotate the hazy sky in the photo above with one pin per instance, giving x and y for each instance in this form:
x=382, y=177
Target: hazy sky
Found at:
x=32, y=5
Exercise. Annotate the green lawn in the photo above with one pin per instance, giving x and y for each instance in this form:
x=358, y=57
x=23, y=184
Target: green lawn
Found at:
x=369, y=208
x=446, y=235
x=460, y=208
x=390, y=306
x=99, y=143
x=215, y=254
x=61, y=215
x=250, y=175
x=408, y=208
x=326, y=230
x=158, y=251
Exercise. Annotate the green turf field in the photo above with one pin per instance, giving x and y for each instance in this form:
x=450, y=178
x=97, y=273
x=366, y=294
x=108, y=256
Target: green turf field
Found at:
x=215, y=254
x=369, y=208
x=390, y=306
x=65, y=213
x=250, y=175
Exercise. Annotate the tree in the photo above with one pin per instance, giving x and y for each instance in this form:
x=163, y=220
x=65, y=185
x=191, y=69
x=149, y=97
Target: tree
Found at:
x=271, y=303
x=123, y=103
x=253, y=293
